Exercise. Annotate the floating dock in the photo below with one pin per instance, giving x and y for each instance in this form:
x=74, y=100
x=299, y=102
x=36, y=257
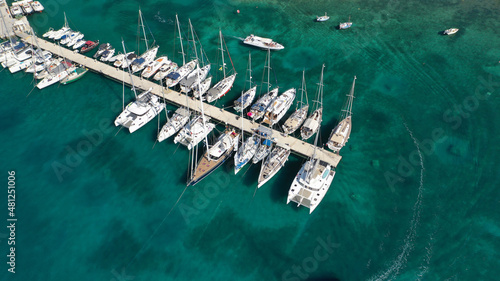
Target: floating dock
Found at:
x=297, y=146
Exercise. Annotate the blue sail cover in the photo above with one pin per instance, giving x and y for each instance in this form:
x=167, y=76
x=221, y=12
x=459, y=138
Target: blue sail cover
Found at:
x=173, y=75
x=267, y=142
x=138, y=61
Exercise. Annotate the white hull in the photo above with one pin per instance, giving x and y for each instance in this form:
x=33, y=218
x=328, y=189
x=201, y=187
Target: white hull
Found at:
x=48, y=81
x=273, y=164
x=174, y=78
x=245, y=153
x=175, y=123
x=245, y=100
x=140, y=112
x=264, y=43
x=204, y=86
x=194, y=132
x=259, y=108
x=154, y=66
x=279, y=107
x=221, y=88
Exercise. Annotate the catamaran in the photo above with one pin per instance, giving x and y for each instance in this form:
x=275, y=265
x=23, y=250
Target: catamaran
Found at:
x=215, y=156
x=139, y=112
x=311, y=125
x=299, y=116
x=246, y=98
x=279, y=107
x=223, y=86
x=312, y=182
x=273, y=163
x=340, y=134
x=174, y=124
x=261, y=42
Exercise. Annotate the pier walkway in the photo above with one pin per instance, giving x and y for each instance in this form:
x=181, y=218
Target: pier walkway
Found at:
x=297, y=146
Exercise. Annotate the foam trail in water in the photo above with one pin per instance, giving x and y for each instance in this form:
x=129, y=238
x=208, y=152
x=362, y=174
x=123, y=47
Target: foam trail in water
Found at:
x=401, y=259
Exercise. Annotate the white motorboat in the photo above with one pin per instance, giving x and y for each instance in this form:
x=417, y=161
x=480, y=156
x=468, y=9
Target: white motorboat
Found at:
x=70, y=37
x=18, y=57
x=126, y=61
x=165, y=70
x=173, y=78
x=27, y=9
x=37, y=7
x=62, y=35
x=261, y=42
x=102, y=48
x=106, y=55
x=75, y=40
x=79, y=43
x=323, y=18
x=273, y=163
x=450, y=31
x=340, y=134
x=139, y=112
x=279, y=107
x=174, y=123
x=154, y=66
x=196, y=130
x=16, y=11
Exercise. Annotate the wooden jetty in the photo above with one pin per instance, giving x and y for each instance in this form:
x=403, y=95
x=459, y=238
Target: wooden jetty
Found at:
x=297, y=146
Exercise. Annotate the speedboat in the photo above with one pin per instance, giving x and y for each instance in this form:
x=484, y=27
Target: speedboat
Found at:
x=37, y=7
x=27, y=8
x=102, y=48
x=89, y=45
x=126, y=61
x=450, y=31
x=165, y=70
x=261, y=42
x=153, y=66
x=106, y=55
x=75, y=40
x=79, y=43
x=139, y=112
x=323, y=18
x=69, y=37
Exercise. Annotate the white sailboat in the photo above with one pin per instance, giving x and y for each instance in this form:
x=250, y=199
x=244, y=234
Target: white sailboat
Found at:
x=174, y=124
x=279, y=107
x=223, y=86
x=340, y=134
x=165, y=70
x=246, y=98
x=312, y=182
x=259, y=108
x=266, y=145
x=201, y=89
x=299, y=116
x=139, y=112
x=56, y=75
x=312, y=123
x=273, y=163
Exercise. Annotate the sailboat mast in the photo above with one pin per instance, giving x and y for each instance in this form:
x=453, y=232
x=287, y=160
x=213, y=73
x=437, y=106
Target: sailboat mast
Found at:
x=268, y=69
x=250, y=69
x=130, y=75
x=143, y=31
x=351, y=97
x=321, y=88
x=194, y=41
x=302, y=89
x=222, y=52
x=180, y=39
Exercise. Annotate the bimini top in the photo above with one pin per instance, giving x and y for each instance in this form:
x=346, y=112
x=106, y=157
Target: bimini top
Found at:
x=173, y=75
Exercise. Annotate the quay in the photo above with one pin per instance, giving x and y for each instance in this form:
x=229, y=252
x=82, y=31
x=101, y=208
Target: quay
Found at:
x=297, y=146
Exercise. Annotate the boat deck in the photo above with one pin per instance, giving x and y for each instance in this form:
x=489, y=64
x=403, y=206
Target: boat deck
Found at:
x=297, y=146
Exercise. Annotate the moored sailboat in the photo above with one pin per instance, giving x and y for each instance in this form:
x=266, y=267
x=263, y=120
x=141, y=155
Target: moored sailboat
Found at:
x=311, y=125
x=299, y=116
x=246, y=98
x=279, y=107
x=340, y=134
x=273, y=163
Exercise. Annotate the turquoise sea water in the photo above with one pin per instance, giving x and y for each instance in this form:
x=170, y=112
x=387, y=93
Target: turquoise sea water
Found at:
x=415, y=196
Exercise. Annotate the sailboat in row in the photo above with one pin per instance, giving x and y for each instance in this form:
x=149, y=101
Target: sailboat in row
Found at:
x=178, y=120
x=246, y=98
x=273, y=163
x=312, y=123
x=224, y=85
x=259, y=108
x=340, y=134
x=279, y=107
x=300, y=114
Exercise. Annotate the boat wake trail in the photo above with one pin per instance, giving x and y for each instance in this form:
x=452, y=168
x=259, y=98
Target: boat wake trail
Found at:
x=239, y=38
x=398, y=263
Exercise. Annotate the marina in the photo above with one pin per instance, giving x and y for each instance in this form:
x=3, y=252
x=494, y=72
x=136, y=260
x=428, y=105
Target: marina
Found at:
x=297, y=146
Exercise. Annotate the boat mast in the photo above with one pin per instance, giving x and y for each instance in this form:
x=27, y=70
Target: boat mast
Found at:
x=302, y=90
x=268, y=69
x=222, y=53
x=194, y=41
x=180, y=39
x=65, y=21
x=320, y=94
x=130, y=75
x=249, y=70
x=143, y=31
